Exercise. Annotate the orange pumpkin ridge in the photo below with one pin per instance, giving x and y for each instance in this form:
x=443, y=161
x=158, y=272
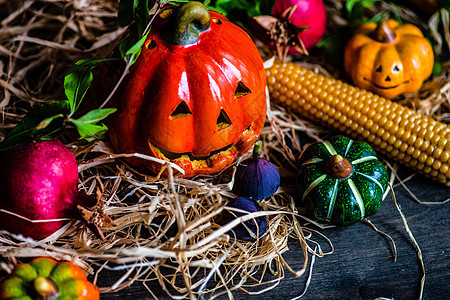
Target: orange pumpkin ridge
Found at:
x=388, y=58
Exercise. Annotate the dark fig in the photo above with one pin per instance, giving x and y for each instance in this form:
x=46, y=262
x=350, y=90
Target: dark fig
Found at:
x=256, y=178
x=257, y=225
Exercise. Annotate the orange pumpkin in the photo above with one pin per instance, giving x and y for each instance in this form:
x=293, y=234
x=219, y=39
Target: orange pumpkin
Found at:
x=45, y=278
x=388, y=58
x=195, y=96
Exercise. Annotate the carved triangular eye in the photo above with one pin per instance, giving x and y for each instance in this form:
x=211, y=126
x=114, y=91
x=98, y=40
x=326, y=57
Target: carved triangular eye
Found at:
x=378, y=69
x=241, y=90
x=396, y=69
x=223, y=121
x=181, y=111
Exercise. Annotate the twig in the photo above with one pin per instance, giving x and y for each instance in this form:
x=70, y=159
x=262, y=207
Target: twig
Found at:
x=411, y=236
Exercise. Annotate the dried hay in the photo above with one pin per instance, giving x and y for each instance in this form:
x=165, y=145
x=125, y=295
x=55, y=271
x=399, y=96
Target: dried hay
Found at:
x=165, y=229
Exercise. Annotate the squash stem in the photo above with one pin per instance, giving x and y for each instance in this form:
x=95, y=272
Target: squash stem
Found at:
x=338, y=167
x=45, y=288
x=189, y=22
x=383, y=33
x=257, y=149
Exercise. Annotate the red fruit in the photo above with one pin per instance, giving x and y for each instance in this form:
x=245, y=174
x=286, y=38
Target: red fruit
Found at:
x=38, y=181
x=309, y=13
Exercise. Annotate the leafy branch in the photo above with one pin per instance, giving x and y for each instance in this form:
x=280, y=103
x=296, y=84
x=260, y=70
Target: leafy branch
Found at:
x=130, y=13
x=49, y=120
x=251, y=8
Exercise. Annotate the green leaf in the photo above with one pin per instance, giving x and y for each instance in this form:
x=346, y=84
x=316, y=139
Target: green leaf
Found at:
x=32, y=127
x=123, y=49
x=252, y=8
x=90, y=132
x=137, y=11
x=76, y=85
x=136, y=48
x=46, y=122
x=86, y=63
x=396, y=13
x=379, y=17
x=179, y=2
x=130, y=49
x=127, y=9
x=142, y=16
x=132, y=58
x=86, y=124
x=352, y=5
x=125, y=45
x=94, y=116
x=77, y=81
x=355, y=11
x=437, y=68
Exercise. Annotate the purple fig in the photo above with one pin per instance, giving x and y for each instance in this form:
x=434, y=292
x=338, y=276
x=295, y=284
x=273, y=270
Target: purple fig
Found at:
x=257, y=225
x=256, y=178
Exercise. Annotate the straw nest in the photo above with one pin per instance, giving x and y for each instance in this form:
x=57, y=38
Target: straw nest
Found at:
x=165, y=229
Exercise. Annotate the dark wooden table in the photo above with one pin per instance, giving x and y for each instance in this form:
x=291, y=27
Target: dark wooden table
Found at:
x=362, y=265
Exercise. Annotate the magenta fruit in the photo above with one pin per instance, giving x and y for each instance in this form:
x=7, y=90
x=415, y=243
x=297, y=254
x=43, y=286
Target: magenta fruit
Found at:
x=309, y=13
x=39, y=182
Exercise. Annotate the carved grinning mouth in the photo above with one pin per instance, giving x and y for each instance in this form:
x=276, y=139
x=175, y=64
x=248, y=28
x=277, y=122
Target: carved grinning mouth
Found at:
x=385, y=87
x=173, y=156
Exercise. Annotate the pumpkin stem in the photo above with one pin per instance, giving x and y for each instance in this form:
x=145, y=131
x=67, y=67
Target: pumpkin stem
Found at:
x=189, y=22
x=257, y=149
x=45, y=288
x=383, y=33
x=338, y=167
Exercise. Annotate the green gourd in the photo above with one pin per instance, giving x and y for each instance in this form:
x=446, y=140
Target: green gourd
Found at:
x=341, y=181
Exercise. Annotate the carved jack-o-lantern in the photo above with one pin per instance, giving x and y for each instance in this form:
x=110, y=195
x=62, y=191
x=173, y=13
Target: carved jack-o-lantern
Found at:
x=195, y=96
x=388, y=58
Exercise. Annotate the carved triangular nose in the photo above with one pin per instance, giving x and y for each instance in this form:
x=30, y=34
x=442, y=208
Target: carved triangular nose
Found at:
x=388, y=78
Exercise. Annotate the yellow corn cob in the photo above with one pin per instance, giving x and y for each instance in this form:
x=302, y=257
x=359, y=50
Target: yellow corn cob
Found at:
x=403, y=134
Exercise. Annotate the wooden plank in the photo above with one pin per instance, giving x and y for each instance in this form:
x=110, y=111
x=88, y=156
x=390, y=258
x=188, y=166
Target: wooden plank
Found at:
x=362, y=265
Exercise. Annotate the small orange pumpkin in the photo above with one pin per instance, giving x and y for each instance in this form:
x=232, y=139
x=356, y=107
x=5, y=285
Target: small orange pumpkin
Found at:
x=388, y=58
x=45, y=278
x=195, y=96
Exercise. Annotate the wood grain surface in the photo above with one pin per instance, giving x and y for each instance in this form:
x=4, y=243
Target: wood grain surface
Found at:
x=362, y=266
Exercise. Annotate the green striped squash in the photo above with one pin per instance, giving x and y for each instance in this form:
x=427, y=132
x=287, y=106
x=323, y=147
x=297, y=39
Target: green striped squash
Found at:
x=341, y=181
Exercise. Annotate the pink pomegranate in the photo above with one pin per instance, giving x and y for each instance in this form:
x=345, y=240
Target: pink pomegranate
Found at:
x=38, y=181
x=309, y=13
